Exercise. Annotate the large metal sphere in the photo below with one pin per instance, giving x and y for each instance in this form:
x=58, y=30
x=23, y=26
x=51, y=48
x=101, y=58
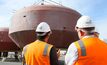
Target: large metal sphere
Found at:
x=6, y=44
x=62, y=21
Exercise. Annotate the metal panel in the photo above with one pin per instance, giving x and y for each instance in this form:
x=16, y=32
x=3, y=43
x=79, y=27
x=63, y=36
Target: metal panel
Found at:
x=6, y=44
x=62, y=21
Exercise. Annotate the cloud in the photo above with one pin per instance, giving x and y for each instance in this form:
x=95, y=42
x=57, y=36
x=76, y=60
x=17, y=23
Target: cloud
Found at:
x=101, y=25
x=94, y=8
x=80, y=5
x=4, y=22
x=16, y=4
x=7, y=7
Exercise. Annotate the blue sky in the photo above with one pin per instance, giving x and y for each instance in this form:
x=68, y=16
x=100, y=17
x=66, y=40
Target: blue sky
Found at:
x=96, y=9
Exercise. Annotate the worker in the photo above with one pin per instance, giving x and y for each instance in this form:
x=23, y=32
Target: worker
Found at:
x=89, y=50
x=16, y=56
x=4, y=56
x=40, y=52
x=0, y=54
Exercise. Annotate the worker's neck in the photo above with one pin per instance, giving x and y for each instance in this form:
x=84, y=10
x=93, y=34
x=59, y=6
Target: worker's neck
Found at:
x=44, y=40
x=87, y=36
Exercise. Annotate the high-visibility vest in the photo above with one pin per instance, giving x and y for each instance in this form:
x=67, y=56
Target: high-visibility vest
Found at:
x=38, y=53
x=91, y=51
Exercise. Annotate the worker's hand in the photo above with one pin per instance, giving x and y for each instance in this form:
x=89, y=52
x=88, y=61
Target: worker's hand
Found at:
x=58, y=53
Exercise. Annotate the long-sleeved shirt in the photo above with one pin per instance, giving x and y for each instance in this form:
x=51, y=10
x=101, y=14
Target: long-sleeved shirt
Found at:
x=72, y=53
x=53, y=57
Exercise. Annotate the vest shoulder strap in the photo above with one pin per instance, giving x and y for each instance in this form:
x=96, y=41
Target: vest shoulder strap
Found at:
x=47, y=49
x=83, y=49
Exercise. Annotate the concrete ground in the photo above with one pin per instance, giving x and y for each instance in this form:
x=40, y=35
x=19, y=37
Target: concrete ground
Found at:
x=20, y=63
x=9, y=61
x=12, y=61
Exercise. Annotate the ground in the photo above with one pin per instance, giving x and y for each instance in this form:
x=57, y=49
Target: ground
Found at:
x=12, y=61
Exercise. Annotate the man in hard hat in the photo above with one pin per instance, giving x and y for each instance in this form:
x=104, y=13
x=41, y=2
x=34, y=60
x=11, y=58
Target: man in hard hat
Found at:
x=40, y=52
x=89, y=50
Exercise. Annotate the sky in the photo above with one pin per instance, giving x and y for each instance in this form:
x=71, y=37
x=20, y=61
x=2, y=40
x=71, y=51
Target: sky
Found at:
x=96, y=9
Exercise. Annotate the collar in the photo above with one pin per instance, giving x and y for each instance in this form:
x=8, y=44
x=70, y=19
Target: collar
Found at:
x=88, y=36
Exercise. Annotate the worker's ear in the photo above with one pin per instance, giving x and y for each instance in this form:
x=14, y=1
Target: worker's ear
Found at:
x=49, y=33
x=82, y=33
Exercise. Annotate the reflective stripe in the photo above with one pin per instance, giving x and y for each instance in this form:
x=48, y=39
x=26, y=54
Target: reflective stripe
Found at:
x=83, y=50
x=45, y=50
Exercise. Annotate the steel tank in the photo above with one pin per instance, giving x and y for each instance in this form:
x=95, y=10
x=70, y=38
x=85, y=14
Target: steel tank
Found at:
x=6, y=44
x=62, y=21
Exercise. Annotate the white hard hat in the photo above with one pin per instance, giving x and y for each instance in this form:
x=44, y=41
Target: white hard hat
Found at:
x=84, y=22
x=43, y=27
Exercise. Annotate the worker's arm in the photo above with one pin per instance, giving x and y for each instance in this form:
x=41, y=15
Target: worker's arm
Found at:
x=23, y=61
x=58, y=53
x=53, y=57
x=71, y=55
x=23, y=57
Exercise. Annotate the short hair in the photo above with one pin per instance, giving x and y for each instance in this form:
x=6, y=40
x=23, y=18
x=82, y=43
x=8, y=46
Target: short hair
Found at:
x=43, y=36
x=89, y=30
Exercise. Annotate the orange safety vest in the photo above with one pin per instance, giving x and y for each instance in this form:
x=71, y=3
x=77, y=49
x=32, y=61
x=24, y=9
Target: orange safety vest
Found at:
x=91, y=51
x=38, y=53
